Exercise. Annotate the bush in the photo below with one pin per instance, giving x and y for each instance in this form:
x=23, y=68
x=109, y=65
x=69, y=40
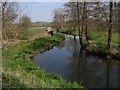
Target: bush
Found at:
x=22, y=36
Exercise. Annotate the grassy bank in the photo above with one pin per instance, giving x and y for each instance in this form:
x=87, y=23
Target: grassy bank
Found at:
x=98, y=43
x=20, y=72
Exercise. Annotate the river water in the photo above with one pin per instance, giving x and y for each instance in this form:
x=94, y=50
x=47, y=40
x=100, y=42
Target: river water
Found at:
x=73, y=64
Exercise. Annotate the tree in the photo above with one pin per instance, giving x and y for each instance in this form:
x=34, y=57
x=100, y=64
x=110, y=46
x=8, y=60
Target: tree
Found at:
x=58, y=19
x=110, y=27
x=73, y=17
x=77, y=17
x=86, y=27
x=118, y=16
x=25, y=24
x=71, y=14
x=78, y=24
x=9, y=25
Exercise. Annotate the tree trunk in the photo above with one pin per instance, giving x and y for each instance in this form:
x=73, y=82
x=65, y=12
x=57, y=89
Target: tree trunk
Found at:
x=84, y=25
x=118, y=27
x=110, y=28
x=86, y=28
x=74, y=28
x=78, y=23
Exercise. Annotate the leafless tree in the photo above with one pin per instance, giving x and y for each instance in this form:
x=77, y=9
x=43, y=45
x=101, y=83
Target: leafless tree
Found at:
x=71, y=14
x=9, y=16
x=59, y=18
x=11, y=26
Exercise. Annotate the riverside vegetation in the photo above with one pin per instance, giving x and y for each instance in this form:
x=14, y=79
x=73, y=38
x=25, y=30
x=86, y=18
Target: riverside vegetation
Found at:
x=20, y=72
x=97, y=42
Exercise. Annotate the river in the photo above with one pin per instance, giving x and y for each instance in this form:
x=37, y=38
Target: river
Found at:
x=74, y=64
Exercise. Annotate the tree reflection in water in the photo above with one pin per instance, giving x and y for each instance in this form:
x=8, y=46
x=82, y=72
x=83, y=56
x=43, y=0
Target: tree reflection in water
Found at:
x=75, y=64
x=91, y=71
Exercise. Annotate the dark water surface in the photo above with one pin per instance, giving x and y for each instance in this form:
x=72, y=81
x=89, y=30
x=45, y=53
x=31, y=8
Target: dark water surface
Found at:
x=73, y=64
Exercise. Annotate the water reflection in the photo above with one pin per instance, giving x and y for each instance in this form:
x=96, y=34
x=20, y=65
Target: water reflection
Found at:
x=75, y=64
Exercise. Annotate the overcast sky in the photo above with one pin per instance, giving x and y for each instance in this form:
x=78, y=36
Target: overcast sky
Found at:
x=39, y=11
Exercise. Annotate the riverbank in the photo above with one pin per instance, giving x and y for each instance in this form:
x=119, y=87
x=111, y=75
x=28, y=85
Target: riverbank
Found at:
x=20, y=72
x=97, y=43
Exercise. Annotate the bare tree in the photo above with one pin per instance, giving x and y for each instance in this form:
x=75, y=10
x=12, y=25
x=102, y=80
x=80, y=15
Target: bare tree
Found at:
x=118, y=24
x=11, y=26
x=25, y=22
x=77, y=16
x=9, y=16
x=58, y=19
x=73, y=10
x=78, y=24
x=86, y=27
x=71, y=13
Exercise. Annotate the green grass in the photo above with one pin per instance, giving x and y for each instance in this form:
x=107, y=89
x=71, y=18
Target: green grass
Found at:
x=100, y=39
x=20, y=72
x=98, y=43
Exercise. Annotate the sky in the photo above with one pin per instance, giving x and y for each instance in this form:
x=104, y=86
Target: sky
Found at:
x=39, y=11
